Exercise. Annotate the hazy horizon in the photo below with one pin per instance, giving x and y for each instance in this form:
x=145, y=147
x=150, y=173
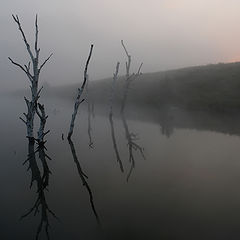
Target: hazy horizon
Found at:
x=162, y=34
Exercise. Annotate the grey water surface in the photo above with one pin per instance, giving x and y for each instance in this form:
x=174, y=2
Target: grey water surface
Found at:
x=169, y=175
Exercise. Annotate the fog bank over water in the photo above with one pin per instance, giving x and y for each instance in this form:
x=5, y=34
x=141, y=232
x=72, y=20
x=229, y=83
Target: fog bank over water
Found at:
x=163, y=34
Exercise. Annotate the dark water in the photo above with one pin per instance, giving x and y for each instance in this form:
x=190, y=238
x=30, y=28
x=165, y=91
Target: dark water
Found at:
x=186, y=186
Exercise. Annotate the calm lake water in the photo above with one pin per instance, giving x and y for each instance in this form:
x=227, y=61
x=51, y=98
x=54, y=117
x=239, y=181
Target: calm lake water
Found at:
x=186, y=186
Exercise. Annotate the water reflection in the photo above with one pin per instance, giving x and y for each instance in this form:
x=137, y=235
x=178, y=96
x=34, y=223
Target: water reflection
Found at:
x=166, y=122
x=171, y=118
x=115, y=146
x=198, y=171
x=132, y=145
x=130, y=137
x=42, y=182
x=83, y=177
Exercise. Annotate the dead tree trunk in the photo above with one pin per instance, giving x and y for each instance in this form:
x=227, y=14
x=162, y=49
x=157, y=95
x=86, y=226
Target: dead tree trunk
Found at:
x=33, y=76
x=80, y=91
x=128, y=63
x=89, y=130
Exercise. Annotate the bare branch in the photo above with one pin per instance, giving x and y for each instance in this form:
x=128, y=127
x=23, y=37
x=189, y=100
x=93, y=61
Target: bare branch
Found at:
x=125, y=49
x=16, y=19
x=23, y=120
x=128, y=63
x=86, y=67
x=39, y=91
x=132, y=145
x=44, y=62
x=139, y=69
x=48, y=131
x=27, y=67
x=117, y=69
x=17, y=64
x=36, y=37
x=26, y=70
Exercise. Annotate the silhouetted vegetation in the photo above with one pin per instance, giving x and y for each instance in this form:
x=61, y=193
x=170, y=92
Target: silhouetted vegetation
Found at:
x=211, y=88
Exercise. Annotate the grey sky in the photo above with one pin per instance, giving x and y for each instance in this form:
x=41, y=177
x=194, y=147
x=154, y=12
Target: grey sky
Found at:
x=164, y=34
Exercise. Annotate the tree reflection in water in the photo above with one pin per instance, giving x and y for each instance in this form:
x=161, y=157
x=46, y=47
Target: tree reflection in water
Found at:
x=83, y=177
x=115, y=146
x=42, y=182
x=132, y=145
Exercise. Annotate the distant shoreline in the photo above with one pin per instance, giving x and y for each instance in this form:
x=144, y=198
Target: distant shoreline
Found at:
x=213, y=88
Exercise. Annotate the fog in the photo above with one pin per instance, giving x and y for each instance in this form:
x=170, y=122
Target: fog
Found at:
x=153, y=155
x=164, y=34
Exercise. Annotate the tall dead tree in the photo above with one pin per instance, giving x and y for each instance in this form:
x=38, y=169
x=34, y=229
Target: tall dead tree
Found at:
x=80, y=91
x=129, y=77
x=33, y=73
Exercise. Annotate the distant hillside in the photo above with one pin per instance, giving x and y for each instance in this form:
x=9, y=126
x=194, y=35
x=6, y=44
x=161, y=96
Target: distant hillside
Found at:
x=211, y=87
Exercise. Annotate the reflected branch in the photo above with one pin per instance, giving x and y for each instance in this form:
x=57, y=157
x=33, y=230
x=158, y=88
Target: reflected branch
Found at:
x=132, y=145
x=42, y=182
x=83, y=177
x=115, y=147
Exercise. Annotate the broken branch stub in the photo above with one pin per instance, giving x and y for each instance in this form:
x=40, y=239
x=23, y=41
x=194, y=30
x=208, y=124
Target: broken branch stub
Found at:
x=128, y=63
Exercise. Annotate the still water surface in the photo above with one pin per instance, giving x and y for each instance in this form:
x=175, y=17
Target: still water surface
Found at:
x=183, y=185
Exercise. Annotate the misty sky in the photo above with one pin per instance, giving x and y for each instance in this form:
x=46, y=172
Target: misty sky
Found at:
x=164, y=34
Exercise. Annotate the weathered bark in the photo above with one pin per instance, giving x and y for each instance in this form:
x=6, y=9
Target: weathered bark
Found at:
x=43, y=118
x=33, y=76
x=80, y=91
x=90, y=144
